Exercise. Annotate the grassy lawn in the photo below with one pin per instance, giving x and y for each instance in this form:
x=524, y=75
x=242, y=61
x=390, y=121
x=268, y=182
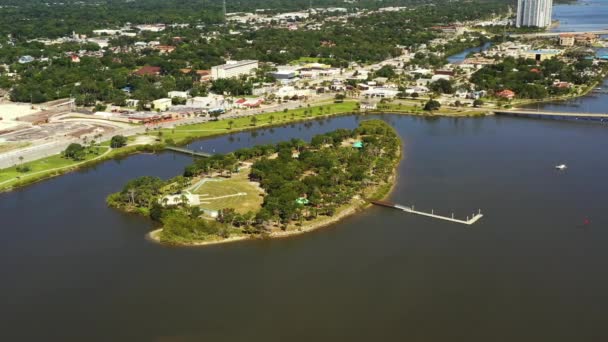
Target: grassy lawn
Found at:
x=40, y=167
x=236, y=192
x=184, y=133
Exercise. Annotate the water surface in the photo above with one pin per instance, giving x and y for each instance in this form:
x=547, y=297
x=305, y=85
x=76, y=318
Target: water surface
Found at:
x=530, y=270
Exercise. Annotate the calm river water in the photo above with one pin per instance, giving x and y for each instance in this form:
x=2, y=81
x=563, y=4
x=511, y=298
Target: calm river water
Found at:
x=530, y=270
x=583, y=15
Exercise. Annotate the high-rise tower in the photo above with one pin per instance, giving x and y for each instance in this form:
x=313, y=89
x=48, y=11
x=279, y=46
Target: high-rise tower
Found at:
x=535, y=13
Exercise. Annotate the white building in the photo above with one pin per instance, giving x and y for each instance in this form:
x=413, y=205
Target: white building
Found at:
x=233, y=69
x=536, y=13
x=179, y=94
x=162, y=104
x=381, y=92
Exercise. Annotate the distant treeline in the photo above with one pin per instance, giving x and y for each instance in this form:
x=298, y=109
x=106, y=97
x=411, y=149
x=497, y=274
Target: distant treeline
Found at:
x=31, y=19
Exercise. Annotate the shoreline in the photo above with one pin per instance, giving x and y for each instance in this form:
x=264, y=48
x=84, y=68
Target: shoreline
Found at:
x=356, y=206
x=153, y=148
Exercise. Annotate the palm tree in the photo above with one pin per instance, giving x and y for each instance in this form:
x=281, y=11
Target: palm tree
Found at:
x=230, y=124
x=184, y=199
x=254, y=120
x=271, y=118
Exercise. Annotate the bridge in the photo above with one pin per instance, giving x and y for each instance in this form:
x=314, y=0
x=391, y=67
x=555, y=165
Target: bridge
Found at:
x=555, y=34
x=468, y=221
x=188, y=152
x=554, y=115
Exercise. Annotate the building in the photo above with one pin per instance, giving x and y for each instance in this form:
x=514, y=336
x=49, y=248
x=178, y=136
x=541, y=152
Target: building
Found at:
x=284, y=75
x=148, y=71
x=506, y=94
x=541, y=54
x=535, y=13
x=586, y=38
x=162, y=104
x=566, y=39
x=381, y=92
x=233, y=69
x=178, y=94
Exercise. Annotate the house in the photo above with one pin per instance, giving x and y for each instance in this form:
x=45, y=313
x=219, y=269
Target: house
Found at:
x=162, y=104
x=506, y=94
x=586, y=38
x=566, y=39
x=75, y=59
x=148, y=71
x=164, y=49
x=202, y=75
x=562, y=85
x=132, y=102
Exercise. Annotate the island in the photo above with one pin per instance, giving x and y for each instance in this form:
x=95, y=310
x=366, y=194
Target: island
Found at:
x=268, y=191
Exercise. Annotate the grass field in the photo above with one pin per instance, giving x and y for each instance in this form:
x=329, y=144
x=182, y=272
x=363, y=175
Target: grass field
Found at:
x=184, y=133
x=236, y=192
x=40, y=166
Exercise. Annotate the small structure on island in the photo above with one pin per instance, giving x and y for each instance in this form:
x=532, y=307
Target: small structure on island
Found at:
x=302, y=201
x=358, y=144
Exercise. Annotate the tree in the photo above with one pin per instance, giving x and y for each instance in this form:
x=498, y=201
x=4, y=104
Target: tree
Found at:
x=339, y=98
x=118, y=141
x=230, y=124
x=432, y=105
x=477, y=103
x=442, y=86
x=75, y=152
x=254, y=121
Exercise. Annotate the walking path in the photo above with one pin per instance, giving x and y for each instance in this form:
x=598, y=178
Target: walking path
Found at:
x=109, y=149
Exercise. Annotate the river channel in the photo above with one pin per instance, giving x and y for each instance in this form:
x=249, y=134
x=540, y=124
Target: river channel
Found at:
x=531, y=269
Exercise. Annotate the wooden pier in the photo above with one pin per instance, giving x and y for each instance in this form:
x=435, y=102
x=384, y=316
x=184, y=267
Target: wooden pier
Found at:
x=188, y=152
x=468, y=221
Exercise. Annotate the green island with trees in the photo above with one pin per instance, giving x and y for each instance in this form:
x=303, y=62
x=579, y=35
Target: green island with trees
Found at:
x=269, y=190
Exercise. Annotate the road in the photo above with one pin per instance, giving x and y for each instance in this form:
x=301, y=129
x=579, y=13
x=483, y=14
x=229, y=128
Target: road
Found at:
x=35, y=152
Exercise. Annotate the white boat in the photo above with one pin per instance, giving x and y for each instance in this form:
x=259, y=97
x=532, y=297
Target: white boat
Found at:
x=561, y=167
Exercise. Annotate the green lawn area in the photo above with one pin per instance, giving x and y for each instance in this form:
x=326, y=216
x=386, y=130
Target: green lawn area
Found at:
x=39, y=167
x=305, y=60
x=236, y=192
x=184, y=133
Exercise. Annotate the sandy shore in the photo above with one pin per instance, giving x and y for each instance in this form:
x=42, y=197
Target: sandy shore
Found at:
x=350, y=210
